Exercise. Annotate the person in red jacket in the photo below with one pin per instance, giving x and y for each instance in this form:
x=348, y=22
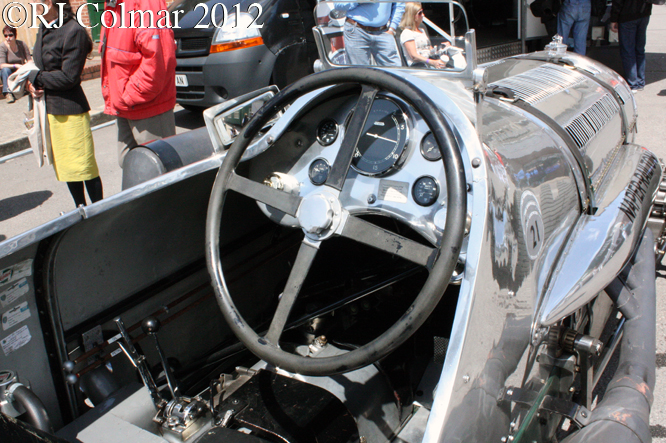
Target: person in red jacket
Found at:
x=138, y=72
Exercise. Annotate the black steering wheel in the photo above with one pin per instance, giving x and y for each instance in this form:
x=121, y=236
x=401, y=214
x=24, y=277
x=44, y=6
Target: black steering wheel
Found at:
x=322, y=216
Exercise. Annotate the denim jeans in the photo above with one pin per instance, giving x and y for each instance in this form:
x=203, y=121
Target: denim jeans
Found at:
x=575, y=14
x=6, y=72
x=632, y=36
x=363, y=46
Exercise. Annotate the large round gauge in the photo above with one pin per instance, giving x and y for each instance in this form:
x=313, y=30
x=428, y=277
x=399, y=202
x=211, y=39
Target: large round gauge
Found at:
x=319, y=170
x=383, y=138
x=430, y=148
x=327, y=132
x=425, y=191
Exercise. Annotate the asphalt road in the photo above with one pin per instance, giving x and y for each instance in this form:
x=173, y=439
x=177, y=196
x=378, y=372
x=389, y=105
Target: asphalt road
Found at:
x=31, y=196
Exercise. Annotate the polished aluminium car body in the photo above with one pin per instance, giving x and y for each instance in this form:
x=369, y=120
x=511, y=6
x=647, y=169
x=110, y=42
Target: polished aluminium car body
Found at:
x=554, y=273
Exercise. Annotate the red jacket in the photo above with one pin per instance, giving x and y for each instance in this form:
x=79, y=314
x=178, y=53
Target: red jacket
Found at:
x=138, y=63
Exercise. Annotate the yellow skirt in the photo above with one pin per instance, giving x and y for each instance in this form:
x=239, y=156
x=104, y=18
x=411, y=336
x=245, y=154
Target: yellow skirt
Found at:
x=73, y=148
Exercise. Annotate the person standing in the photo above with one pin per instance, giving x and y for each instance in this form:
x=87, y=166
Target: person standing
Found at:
x=575, y=15
x=138, y=75
x=60, y=54
x=630, y=18
x=13, y=54
x=369, y=32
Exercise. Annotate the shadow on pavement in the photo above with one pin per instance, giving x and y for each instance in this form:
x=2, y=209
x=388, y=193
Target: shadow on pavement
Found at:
x=13, y=206
x=3, y=237
x=188, y=119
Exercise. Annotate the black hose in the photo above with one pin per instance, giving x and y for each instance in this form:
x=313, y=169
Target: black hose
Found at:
x=624, y=413
x=34, y=408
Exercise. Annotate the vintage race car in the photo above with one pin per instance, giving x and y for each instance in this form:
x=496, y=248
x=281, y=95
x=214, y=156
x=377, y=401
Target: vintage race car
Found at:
x=373, y=255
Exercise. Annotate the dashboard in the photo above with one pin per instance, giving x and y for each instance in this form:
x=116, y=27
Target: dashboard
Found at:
x=396, y=170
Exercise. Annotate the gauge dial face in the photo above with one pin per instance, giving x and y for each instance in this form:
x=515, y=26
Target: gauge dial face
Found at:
x=425, y=191
x=319, y=170
x=327, y=132
x=430, y=148
x=383, y=138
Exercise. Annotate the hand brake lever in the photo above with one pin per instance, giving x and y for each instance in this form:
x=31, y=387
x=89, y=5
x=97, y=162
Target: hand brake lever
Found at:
x=150, y=326
x=139, y=362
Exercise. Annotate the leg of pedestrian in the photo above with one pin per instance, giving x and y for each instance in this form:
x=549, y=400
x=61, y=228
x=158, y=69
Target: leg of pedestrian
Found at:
x=386, y=50
x=357, y=45
x=126, y=139
x=627, y=39
x=641, y=40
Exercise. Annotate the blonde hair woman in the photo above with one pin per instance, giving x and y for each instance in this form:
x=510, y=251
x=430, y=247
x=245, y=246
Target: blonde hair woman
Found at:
x=414, y=39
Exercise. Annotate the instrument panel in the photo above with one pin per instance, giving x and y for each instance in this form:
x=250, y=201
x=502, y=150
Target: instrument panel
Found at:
x=383, y=147
x=396, y=168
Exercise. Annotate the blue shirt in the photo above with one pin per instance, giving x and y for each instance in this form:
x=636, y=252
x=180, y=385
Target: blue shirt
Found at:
x=374, y=14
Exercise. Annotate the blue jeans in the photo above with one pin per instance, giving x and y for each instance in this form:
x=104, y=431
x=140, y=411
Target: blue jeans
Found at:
x=575, y=14
x=6, y=72
x=363, y=46
x=632, y=36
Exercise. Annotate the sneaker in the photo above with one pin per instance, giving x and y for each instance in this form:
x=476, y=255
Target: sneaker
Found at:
x=10, y=97
x=639, y=89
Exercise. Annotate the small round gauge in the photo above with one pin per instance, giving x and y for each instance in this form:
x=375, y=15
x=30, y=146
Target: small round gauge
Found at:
x=319, y=170
x=382, y=140
x=430, y=148
x=327, y=132
x=425, y=191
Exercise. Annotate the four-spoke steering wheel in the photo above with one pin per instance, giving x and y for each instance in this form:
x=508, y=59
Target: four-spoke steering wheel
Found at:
x=321, y=216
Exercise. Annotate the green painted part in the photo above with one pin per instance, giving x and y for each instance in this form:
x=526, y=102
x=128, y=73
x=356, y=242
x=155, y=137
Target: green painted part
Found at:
x=530, y=431
x=95, y=18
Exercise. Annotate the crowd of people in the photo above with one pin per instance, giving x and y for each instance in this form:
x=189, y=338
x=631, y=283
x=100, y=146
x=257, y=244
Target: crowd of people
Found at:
x=143, y=102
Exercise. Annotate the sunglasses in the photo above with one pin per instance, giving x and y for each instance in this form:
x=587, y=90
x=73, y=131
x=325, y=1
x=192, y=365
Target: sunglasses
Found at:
x=9, y=35
x=420, y=12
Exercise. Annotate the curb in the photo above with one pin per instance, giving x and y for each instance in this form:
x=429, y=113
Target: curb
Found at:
x=22, y=143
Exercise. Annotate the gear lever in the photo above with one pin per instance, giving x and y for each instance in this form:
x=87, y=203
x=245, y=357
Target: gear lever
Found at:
x=151, y=326
x=139, y=362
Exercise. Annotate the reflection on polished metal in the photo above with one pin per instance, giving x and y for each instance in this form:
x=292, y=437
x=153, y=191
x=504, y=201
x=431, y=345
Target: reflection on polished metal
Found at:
x=556, y=203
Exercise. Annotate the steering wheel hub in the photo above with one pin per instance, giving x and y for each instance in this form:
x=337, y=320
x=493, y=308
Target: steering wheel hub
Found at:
x=319, y=215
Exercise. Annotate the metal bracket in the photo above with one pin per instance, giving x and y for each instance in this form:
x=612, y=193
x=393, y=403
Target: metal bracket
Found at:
x=524, y=397
x=578, y=414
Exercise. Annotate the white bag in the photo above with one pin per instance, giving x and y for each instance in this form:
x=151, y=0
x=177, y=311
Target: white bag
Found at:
x=39, y=134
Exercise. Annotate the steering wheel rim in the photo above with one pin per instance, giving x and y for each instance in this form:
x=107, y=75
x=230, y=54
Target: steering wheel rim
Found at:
x=441, y=266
